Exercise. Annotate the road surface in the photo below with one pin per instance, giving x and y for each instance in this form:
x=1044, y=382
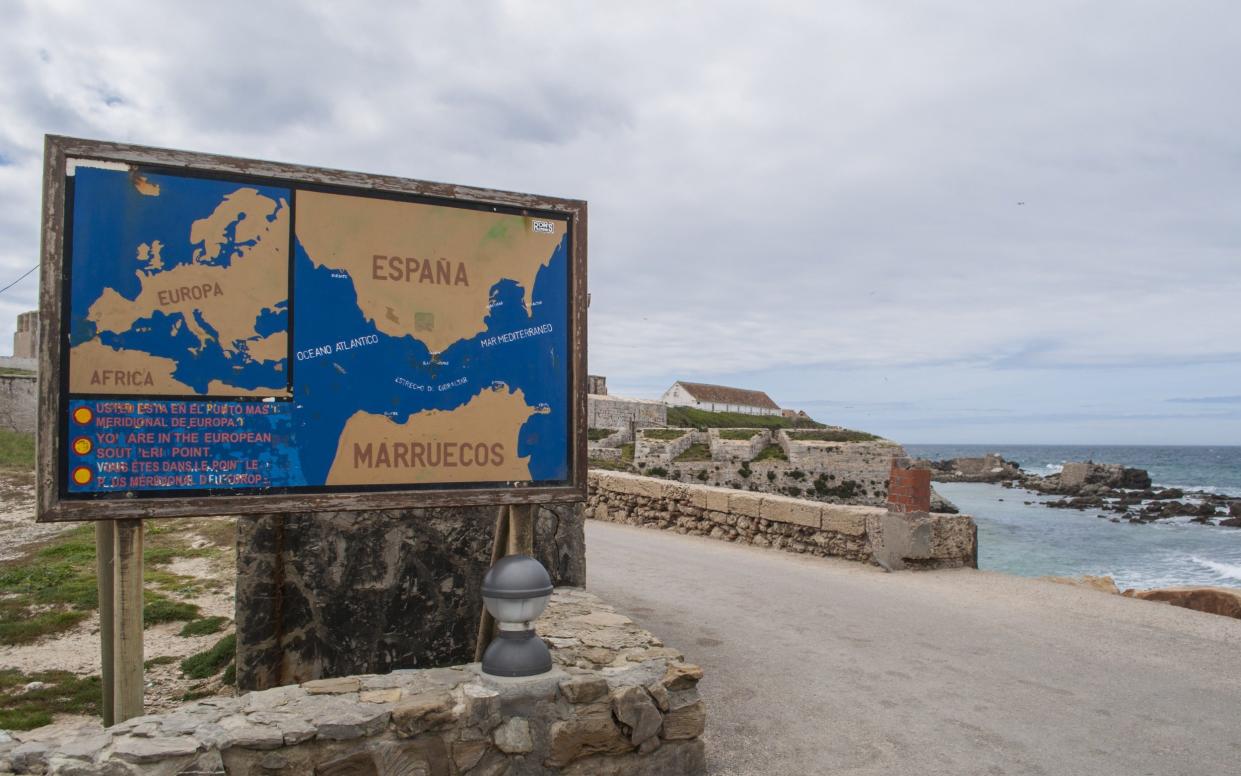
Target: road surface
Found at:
x=823, y=666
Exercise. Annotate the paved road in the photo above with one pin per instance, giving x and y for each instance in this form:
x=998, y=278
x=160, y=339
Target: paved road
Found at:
x=822, y=666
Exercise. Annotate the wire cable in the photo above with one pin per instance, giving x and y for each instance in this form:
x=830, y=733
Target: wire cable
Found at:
x=20, y=279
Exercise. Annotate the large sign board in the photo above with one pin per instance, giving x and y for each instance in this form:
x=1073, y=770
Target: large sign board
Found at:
x=230, y=336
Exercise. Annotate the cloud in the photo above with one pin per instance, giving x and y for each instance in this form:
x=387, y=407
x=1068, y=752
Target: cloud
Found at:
x=818, y=187
x=1206, y=400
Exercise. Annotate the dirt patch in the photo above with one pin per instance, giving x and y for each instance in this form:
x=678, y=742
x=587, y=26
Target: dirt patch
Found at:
x=201, y=572
x=18, y=530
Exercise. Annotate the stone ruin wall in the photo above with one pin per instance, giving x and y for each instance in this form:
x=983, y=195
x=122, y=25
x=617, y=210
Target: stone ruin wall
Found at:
x=615, y=412
x=333, y=594
x=831, y=472
x=860, y=533
x=19, y=399
x=662, y=452
x=616, y=702
x=738, y=450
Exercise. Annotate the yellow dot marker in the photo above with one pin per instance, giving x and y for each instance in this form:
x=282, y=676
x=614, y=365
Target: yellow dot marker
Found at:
x=83, y=415
x=82, y=446
x=82, y=475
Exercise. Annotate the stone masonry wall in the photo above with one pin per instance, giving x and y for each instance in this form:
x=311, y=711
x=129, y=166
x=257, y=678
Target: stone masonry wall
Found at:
x=615, y=412
x=617, y=702
x=661, y=452
x=738, y=449
x=19, y=399
x=832, y=472
x=323, y=595
x=796, y=525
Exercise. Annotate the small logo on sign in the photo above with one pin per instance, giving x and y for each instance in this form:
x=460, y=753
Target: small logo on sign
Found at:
x=543, y=227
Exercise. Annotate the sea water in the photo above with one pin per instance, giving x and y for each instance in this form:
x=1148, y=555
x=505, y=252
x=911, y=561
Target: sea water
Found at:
x=1031, y=539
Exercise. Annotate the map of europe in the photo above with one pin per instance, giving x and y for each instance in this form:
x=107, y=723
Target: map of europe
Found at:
x=226, y=335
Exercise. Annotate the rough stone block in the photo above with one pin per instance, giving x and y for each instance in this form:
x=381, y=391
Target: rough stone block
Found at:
x=425, y=711
x=717, y=499
x=634, y=708
x=748, y=504
x=337, y=686
x=513, y=737
x=584, y=688
x=149, y=750
x=681, y=676
x=847, y=520
x=794, y=511
x=593, y=731
x=349, y=723
x=687, y=722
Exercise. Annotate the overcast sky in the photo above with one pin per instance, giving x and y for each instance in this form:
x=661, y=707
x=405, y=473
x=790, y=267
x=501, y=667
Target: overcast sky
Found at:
x=937, y=221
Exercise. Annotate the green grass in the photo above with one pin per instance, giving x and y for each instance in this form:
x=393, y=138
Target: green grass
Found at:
x=846, y=489
x=663, y=434
x=595, y=434
x=695, y=452
x=833, y=435
x=210, y=662
x=16, y=450
x=204, y=626
x=738, y=434
x=627, y=453
x=608, y=465
x=157, y=608
x=53, y=588
x=771, y=453
x=162, y=660
x=701, y=419
x=66, y=693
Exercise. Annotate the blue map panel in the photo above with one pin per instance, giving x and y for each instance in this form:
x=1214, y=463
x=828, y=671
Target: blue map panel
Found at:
x=232, y=337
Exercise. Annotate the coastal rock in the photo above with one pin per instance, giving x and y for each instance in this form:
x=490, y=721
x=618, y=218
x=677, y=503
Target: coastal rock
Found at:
x=1212, y=600
x=989, y=468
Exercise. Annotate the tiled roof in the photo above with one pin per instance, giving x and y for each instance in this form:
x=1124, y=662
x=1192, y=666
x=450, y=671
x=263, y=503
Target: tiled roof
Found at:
x=722, y=394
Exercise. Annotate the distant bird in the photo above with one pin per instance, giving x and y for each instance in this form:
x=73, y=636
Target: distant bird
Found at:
x=1020, y=203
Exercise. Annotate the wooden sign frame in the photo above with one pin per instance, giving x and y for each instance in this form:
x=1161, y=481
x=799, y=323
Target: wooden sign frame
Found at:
x=53, y=506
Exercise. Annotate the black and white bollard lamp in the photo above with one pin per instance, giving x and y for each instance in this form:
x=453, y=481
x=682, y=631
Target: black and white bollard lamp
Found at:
x=516, y=591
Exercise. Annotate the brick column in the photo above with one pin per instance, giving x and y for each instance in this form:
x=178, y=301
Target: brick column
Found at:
x=909, y=490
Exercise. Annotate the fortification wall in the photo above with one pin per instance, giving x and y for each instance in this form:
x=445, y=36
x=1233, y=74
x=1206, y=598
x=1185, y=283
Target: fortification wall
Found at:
x=616, y=412
x=19, y=400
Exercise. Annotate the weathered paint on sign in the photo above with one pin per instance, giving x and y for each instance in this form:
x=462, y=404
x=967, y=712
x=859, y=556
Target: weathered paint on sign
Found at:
x=285, y=334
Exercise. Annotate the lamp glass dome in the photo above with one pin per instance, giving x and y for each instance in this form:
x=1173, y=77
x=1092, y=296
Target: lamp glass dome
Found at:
x=516, y=609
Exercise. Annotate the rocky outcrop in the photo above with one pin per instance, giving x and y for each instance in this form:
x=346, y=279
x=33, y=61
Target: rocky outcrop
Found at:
x=1076, y=475
x=369, y=592
x=1212, y=600
x=616, y=702
x=989, y=468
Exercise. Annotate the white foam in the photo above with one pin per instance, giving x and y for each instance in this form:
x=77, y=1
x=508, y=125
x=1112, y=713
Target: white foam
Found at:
x=1225, y=570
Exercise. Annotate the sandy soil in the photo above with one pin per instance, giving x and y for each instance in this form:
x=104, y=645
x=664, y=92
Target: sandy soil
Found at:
x=18, y=530
x=77, y=650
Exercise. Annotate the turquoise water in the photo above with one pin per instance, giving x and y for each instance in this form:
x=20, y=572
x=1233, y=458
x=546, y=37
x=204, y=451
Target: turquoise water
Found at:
x=1033, y=540
x=1029, y=539
x=1213, y=469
